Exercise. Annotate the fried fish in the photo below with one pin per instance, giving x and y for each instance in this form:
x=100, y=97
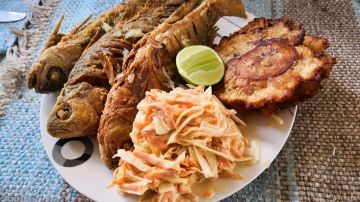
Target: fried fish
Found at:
x=80, y=104
x=151, y=65
x=271, y=64
x=61, y=52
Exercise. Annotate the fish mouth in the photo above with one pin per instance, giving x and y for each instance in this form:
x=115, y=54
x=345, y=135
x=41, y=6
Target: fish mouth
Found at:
x=59, y=133
x=65, y=124
x=114, y=136
x=32, y=77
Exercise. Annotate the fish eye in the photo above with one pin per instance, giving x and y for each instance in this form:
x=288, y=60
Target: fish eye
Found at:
x=55, y=77
x=64, y=113
x=55, y=74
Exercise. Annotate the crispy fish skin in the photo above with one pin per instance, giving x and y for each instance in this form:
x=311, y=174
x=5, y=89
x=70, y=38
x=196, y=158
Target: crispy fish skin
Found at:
x=268, y=69
x=84, y=94
x=61, y=52
x=151, y=65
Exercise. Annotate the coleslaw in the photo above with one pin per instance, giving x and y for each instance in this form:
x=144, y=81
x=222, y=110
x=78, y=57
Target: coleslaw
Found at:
x=181, y=137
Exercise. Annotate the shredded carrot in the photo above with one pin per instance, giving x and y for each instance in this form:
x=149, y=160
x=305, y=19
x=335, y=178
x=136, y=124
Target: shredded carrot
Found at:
x=180, y=137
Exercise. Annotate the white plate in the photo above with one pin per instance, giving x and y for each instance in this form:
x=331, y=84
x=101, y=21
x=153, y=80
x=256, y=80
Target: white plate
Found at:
x=78, y=160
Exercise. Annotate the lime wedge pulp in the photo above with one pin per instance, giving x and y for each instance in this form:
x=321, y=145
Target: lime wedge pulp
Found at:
x=200, y=65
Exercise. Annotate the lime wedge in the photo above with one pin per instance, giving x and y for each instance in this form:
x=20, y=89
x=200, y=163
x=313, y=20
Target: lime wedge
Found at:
x=200, y=65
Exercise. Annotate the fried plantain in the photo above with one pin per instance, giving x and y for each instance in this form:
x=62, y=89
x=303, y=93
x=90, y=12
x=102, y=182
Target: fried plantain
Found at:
x=272, y=64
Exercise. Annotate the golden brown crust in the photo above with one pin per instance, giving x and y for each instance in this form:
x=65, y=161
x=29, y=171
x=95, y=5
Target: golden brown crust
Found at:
x=63, y=51
x=258, y=30
x=151, y=66
x=79, y=107
x=260, y=24
x=120, y=109
x=269, y=58
x=268, y=78
x=317, y=43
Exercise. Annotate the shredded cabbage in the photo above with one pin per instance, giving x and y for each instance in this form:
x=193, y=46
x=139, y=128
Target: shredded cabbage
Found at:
x=160, y=126
x=179, y=138
x=131, y=159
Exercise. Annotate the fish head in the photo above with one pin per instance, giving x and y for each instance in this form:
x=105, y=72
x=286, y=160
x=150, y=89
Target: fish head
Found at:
x=77, y=112
x=115, y=135
x=51, y=70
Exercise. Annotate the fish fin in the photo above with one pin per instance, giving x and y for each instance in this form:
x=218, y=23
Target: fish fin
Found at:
x=55, y=37
x=77, y=28
x=108, y=67
x=99, y=33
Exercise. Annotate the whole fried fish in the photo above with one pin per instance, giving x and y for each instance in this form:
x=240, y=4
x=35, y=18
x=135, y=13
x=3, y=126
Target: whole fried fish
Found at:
x=271, y=64
x=52, y=68
x=80, y=104
x=151, y=65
